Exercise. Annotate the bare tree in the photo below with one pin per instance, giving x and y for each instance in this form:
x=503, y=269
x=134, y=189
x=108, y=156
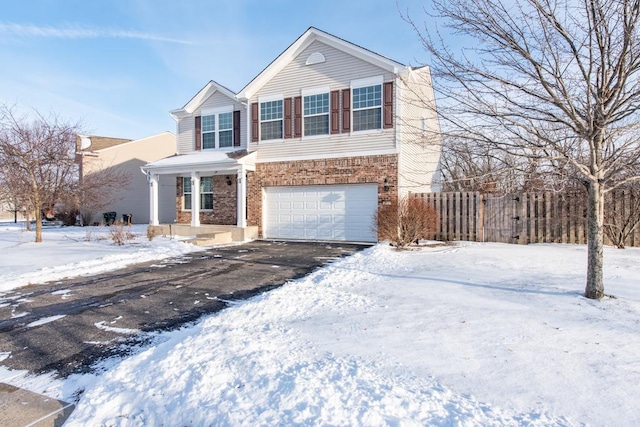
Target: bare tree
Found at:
x=37, y=158
x=469, y=166
x=552, y=81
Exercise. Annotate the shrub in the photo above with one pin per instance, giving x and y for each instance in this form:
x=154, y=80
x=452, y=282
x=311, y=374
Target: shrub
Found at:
x=152, y=232
x=120, y=234
x=406, y=221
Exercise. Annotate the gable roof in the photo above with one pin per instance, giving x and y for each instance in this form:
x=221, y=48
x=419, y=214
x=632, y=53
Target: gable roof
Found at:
x=204, y=93
x=308, y=37
x=94, y=143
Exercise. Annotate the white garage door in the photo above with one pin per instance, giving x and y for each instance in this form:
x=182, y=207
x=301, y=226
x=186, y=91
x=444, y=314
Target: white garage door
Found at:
x=321, y=212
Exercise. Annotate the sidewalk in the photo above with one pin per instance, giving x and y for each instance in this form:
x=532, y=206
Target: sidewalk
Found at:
x=21, y=408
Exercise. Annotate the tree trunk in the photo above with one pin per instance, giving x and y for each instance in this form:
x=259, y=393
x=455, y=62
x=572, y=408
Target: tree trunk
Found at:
x=38, y=226
x=595, y=241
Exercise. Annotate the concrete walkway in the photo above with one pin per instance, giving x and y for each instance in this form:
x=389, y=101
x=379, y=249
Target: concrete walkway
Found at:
x=20, y=408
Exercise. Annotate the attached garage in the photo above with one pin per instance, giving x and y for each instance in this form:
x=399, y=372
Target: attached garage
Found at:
x=321, y=212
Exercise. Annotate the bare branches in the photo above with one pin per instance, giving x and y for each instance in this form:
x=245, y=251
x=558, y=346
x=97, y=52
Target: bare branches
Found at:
x=555, y=83
x=37, y=160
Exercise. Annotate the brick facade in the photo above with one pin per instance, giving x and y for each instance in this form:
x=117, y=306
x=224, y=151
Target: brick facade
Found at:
x=345, y=170
x=224, y=203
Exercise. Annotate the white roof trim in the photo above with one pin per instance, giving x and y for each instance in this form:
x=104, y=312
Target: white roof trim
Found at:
x=202, y=161
x=204, y=93
x=311, y=35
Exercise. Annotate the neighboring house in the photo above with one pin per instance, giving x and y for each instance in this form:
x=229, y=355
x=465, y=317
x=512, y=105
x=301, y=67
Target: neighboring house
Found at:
x=96, y=153
x=308, y=149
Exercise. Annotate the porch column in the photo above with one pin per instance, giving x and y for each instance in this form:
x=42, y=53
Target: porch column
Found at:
x=195, y=199
x=241, y=198
x=153, y=198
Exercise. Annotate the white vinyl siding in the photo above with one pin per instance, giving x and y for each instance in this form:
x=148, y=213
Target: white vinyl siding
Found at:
x=337, y=73
x=321, y=212
x=186, y=135
x=420, y=146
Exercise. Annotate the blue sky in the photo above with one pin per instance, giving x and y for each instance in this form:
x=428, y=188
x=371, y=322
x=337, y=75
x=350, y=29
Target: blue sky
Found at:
x=121, y=65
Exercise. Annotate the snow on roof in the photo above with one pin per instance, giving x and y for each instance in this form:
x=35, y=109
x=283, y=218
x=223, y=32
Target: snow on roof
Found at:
x=212, y=159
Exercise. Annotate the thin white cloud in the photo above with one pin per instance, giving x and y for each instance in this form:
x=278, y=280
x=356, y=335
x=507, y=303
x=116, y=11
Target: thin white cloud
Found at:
x=11, y=29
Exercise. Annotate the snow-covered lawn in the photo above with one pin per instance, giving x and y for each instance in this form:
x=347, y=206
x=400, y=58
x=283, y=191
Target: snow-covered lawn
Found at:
x=73, y=251
x=468, y=334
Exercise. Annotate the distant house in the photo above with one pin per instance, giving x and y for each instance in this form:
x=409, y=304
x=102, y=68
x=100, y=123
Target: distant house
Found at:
x=95, y=153
x=308, y=149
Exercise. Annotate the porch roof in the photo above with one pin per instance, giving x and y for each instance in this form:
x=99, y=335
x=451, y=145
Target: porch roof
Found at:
x=203, y=161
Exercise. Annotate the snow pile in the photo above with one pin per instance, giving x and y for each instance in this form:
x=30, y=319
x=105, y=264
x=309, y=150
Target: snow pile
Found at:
x=472, y=334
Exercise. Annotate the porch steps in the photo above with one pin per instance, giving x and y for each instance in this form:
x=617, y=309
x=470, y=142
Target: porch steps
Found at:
x=208, y=239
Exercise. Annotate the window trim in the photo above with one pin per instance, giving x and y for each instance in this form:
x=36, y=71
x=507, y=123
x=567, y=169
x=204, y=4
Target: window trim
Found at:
x=216, y=112
x=262, y=100
x=319, y=90
x=363, y=83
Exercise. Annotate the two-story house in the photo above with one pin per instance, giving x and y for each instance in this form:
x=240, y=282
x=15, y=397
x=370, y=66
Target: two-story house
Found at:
x=307, y=150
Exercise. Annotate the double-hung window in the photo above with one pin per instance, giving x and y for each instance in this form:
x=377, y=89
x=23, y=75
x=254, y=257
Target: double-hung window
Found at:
x=225, y=131
x=367, y=107
x=206, y=193
x=271, y=119
x=186, y=192
x=217, y=130
x=316, y=114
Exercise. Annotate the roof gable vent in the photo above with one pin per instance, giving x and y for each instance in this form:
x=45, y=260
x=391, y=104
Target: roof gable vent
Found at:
x=315, y=58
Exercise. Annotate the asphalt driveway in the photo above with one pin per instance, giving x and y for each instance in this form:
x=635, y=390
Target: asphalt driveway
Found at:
x=67, y=326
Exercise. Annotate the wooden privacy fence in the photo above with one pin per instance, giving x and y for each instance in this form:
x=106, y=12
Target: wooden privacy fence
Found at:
x=519, y=218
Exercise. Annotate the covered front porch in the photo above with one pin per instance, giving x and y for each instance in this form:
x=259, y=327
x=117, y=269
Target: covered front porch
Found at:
x=211, y=195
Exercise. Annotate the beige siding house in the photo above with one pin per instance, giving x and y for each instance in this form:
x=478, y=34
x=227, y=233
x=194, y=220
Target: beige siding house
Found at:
x=97, y=153
x=308, y=149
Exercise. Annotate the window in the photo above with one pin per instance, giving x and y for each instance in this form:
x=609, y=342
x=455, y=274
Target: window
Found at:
x=223, y=137
x=316, y=114
x=209, y=131
x=271, y=120
x=206, y=192
x=186, y=192
x=367, y=108
x=225, y=134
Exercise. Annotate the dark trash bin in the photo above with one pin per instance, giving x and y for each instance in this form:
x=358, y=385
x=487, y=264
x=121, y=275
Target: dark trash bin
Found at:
x=126, y=218
x=109, y=217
